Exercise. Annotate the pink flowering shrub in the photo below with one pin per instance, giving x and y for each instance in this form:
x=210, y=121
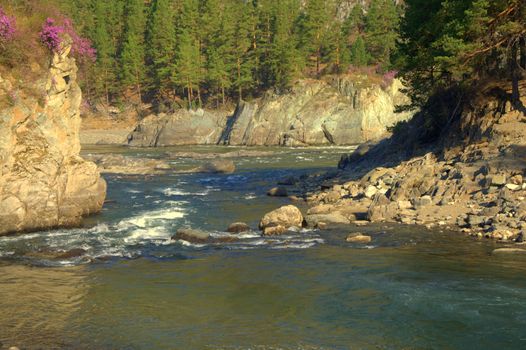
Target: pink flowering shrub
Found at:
x=52, y=36
x=7, y=27
x=388, y=77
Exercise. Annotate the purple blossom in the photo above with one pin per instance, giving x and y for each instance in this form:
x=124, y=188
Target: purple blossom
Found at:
x=388, y=77
x=52, y=36
x=7, y=27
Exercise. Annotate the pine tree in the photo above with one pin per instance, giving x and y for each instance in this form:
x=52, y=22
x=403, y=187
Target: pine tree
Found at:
x=359, y=56
x=132, y=52
x=188, y=71
x=219, y=47
x=314, y=25
x=244, y=54
x=105, y=77
x=161, y=39
x=381, y=25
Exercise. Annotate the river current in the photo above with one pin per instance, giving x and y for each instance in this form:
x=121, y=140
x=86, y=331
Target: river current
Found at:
x=135, y=288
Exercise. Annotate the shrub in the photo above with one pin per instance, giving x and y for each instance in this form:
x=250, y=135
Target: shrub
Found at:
x=7, y=27
x=52, y=36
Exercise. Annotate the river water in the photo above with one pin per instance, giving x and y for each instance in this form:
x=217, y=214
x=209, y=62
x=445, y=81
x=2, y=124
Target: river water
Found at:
x=134, y=288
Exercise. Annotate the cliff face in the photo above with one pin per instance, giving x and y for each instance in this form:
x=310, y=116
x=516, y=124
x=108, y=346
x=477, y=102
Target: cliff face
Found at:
x=315, y=112
x=44, y=183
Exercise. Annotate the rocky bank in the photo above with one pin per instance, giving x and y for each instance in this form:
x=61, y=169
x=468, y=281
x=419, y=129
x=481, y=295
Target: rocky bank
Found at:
x=472, y=179
x=337, y=111
x=44, y=183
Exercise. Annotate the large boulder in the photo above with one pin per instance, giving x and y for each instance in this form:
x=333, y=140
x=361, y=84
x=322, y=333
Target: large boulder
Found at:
x=287, y=216
x=44, y=183
x=181, y=128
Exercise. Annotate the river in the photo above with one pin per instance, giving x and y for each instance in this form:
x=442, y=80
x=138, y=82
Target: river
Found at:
x=135, y=288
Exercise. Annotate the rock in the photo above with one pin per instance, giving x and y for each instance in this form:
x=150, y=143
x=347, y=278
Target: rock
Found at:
x=517, y=180
x=289, y=181
x=403, y=205
x=238, y=227
x=120, y=164
x=508, y=251
x=218, y=166
x=286, y=216
x=358, y=238
x=315, y=112
x=475, y=220
x=513, y=187
x=181, y=128
x=44, y=183
x=333, y=218
x=423, y=201
x=274, y=230
x=278, y=192
x=498, y=180
x=370, y=191
x=72, y=253
x=192, y=236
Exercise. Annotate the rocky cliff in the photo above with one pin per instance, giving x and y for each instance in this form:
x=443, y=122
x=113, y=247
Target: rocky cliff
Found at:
x=315, y=112
x=44, y=183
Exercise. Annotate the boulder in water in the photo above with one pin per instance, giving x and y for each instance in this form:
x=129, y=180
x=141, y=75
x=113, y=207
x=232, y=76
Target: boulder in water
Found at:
x=191, y=235
x=358, y=238
x=278, y=192
x=286, y=216
x=218, y=166
x=238, y=227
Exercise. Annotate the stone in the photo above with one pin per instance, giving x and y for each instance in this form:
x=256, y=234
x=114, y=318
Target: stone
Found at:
x=72, y=253
x=475, y=220
x=498, y=180
x=370, y=191
x=403, y=205
x=358, y=238
x=218, y=166
x=238, y=227
x=278, y=192
x=328, y=219
x=513, y=187
x=274, y=230
x=423, y=201
x=517, y=180
x=286, y=216
x=120, y=164
x=44, y=183
x=191, y=235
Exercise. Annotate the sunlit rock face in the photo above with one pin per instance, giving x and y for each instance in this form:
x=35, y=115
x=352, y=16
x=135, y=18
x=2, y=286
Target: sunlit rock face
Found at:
x=315, y=112
x=44, y=183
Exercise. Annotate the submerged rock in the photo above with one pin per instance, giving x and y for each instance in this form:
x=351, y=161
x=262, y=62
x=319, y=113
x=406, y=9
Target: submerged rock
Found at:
x=286, y=216
x=278, y=192
x=218, y=166
x=358, y=238
x=238, y=227
x=44, y=183
x=274, y=230
x=120, y=164
x=509, y=251
x=191, y=235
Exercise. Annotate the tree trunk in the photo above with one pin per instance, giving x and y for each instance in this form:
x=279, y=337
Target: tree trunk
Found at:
x=515, y=94
x=223, y=92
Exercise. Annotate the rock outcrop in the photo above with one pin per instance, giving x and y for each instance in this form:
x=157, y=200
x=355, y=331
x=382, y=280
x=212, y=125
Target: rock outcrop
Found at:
x=471, y=179
x=182, y=128
x=338, y=112
x=44, y=183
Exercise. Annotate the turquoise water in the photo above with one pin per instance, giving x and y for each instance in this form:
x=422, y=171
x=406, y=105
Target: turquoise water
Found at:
x=134, y=288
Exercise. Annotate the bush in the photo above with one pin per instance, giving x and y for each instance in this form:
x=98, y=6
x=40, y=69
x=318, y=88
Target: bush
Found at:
x=7, y=27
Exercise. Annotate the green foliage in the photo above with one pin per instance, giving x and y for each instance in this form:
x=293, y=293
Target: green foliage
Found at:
x=216, y=51
x=460, y=43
